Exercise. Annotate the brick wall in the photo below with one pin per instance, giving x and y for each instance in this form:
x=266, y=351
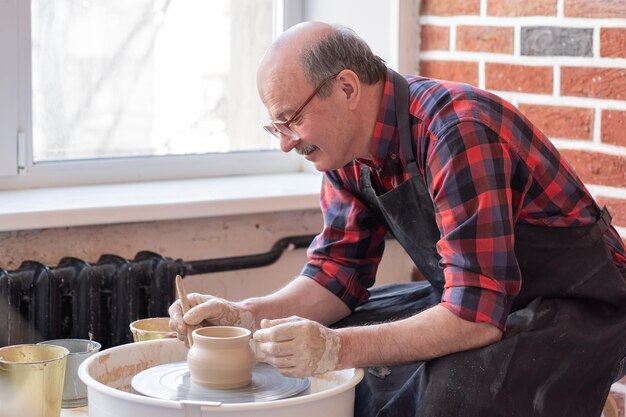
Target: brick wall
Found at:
x=562, y=62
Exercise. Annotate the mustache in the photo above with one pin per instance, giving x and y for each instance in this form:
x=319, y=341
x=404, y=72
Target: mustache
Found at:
x=305, y=149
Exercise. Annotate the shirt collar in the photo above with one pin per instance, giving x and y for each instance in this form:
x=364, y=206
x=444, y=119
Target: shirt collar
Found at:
x=385, y=138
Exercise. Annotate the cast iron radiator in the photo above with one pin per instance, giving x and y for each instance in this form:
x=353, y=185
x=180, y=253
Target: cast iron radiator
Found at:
x=75, y=298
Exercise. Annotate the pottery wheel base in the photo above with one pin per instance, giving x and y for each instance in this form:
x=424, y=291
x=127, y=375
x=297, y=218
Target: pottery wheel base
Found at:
x=172, y=381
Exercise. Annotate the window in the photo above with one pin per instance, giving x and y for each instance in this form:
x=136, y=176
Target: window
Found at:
x=119, y=91
x=113, y=90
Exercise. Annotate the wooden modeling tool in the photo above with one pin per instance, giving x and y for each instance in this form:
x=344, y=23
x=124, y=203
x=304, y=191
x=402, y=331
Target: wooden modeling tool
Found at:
x=184, y=302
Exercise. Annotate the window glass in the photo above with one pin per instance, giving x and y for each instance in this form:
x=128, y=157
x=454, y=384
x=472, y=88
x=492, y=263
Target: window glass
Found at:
x=119, y=78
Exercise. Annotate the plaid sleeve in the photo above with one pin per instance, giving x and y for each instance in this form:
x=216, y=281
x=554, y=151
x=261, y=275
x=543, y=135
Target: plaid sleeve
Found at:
x=469, y=172
x=344, y=257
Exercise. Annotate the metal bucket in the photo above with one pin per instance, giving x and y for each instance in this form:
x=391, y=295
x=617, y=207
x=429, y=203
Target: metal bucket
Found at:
x=74, y=390
x=31, y=380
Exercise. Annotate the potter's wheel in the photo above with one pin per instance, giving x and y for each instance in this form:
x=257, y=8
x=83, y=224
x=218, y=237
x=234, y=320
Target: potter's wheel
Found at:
x=172, y=381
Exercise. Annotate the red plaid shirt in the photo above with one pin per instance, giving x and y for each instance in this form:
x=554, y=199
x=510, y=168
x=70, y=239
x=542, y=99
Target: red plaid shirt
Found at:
x=486, y=169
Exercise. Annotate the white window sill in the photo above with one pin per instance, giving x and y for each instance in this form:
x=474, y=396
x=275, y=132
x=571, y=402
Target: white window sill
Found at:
x=158, y=200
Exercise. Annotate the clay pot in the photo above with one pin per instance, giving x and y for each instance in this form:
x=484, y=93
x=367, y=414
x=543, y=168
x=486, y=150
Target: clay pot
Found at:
x=221, y=357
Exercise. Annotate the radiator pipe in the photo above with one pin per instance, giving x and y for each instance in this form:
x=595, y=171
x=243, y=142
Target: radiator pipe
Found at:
x=246, y=261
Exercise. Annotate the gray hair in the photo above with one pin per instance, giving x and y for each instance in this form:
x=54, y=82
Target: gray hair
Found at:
x=342, y=49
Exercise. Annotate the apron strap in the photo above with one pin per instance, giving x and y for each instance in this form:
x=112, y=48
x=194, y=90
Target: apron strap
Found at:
x=401, y=99
x=604, y=221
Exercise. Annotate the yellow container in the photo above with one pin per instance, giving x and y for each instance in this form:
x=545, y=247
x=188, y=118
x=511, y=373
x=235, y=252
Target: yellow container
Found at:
x=153, y=328
x=31, y=380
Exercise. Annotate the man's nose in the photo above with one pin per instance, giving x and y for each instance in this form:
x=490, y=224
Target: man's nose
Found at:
x=287, y=143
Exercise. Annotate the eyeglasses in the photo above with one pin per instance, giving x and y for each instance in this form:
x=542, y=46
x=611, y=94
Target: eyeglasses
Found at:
x=278, y=127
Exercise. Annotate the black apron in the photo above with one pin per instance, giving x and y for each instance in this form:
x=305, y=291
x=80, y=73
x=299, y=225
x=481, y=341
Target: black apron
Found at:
x=565, y=341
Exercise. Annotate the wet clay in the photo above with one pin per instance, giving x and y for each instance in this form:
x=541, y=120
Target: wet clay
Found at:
x=221, y=357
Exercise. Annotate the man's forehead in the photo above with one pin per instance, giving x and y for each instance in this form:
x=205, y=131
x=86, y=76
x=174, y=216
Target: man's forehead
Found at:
x=282, y=92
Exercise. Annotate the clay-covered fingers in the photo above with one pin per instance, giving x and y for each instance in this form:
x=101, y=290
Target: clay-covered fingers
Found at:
x=287, y=365
x=276, y=343
x=298, y=347
x=208, y=310
x=266, y=324
x=277, y=338
x=278, y=330
x=177, y=323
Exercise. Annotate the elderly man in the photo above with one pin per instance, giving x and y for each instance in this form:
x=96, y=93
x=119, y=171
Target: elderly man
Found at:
x=524, y=310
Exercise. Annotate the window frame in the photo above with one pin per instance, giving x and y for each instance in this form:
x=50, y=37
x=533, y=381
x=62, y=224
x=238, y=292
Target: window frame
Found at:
x=9, y=81
x=17, y=169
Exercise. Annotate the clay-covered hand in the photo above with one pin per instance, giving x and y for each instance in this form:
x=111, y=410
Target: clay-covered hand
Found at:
x=207, y=310
x=299, y=347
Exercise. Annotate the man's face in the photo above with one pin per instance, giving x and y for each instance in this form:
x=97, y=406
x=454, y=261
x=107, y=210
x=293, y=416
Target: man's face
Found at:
x=322, y=125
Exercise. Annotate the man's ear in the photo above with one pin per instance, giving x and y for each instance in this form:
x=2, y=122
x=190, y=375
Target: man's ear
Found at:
x=350, y=86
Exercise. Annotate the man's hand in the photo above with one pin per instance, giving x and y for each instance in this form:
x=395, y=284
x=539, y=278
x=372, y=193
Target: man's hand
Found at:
x=299, y=347
x=207, y=310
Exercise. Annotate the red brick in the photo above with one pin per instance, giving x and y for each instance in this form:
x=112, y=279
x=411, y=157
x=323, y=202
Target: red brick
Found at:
x=613, y=127
x=612, y=42
x=597, y=168
x=617, y=208
x=435, y=38
x=521, y=7
x=485, y=39
x=450, y=7
x=561, y=122
x=607, y=83
x=520, y=78
x=465, y=72
x=595, y=8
